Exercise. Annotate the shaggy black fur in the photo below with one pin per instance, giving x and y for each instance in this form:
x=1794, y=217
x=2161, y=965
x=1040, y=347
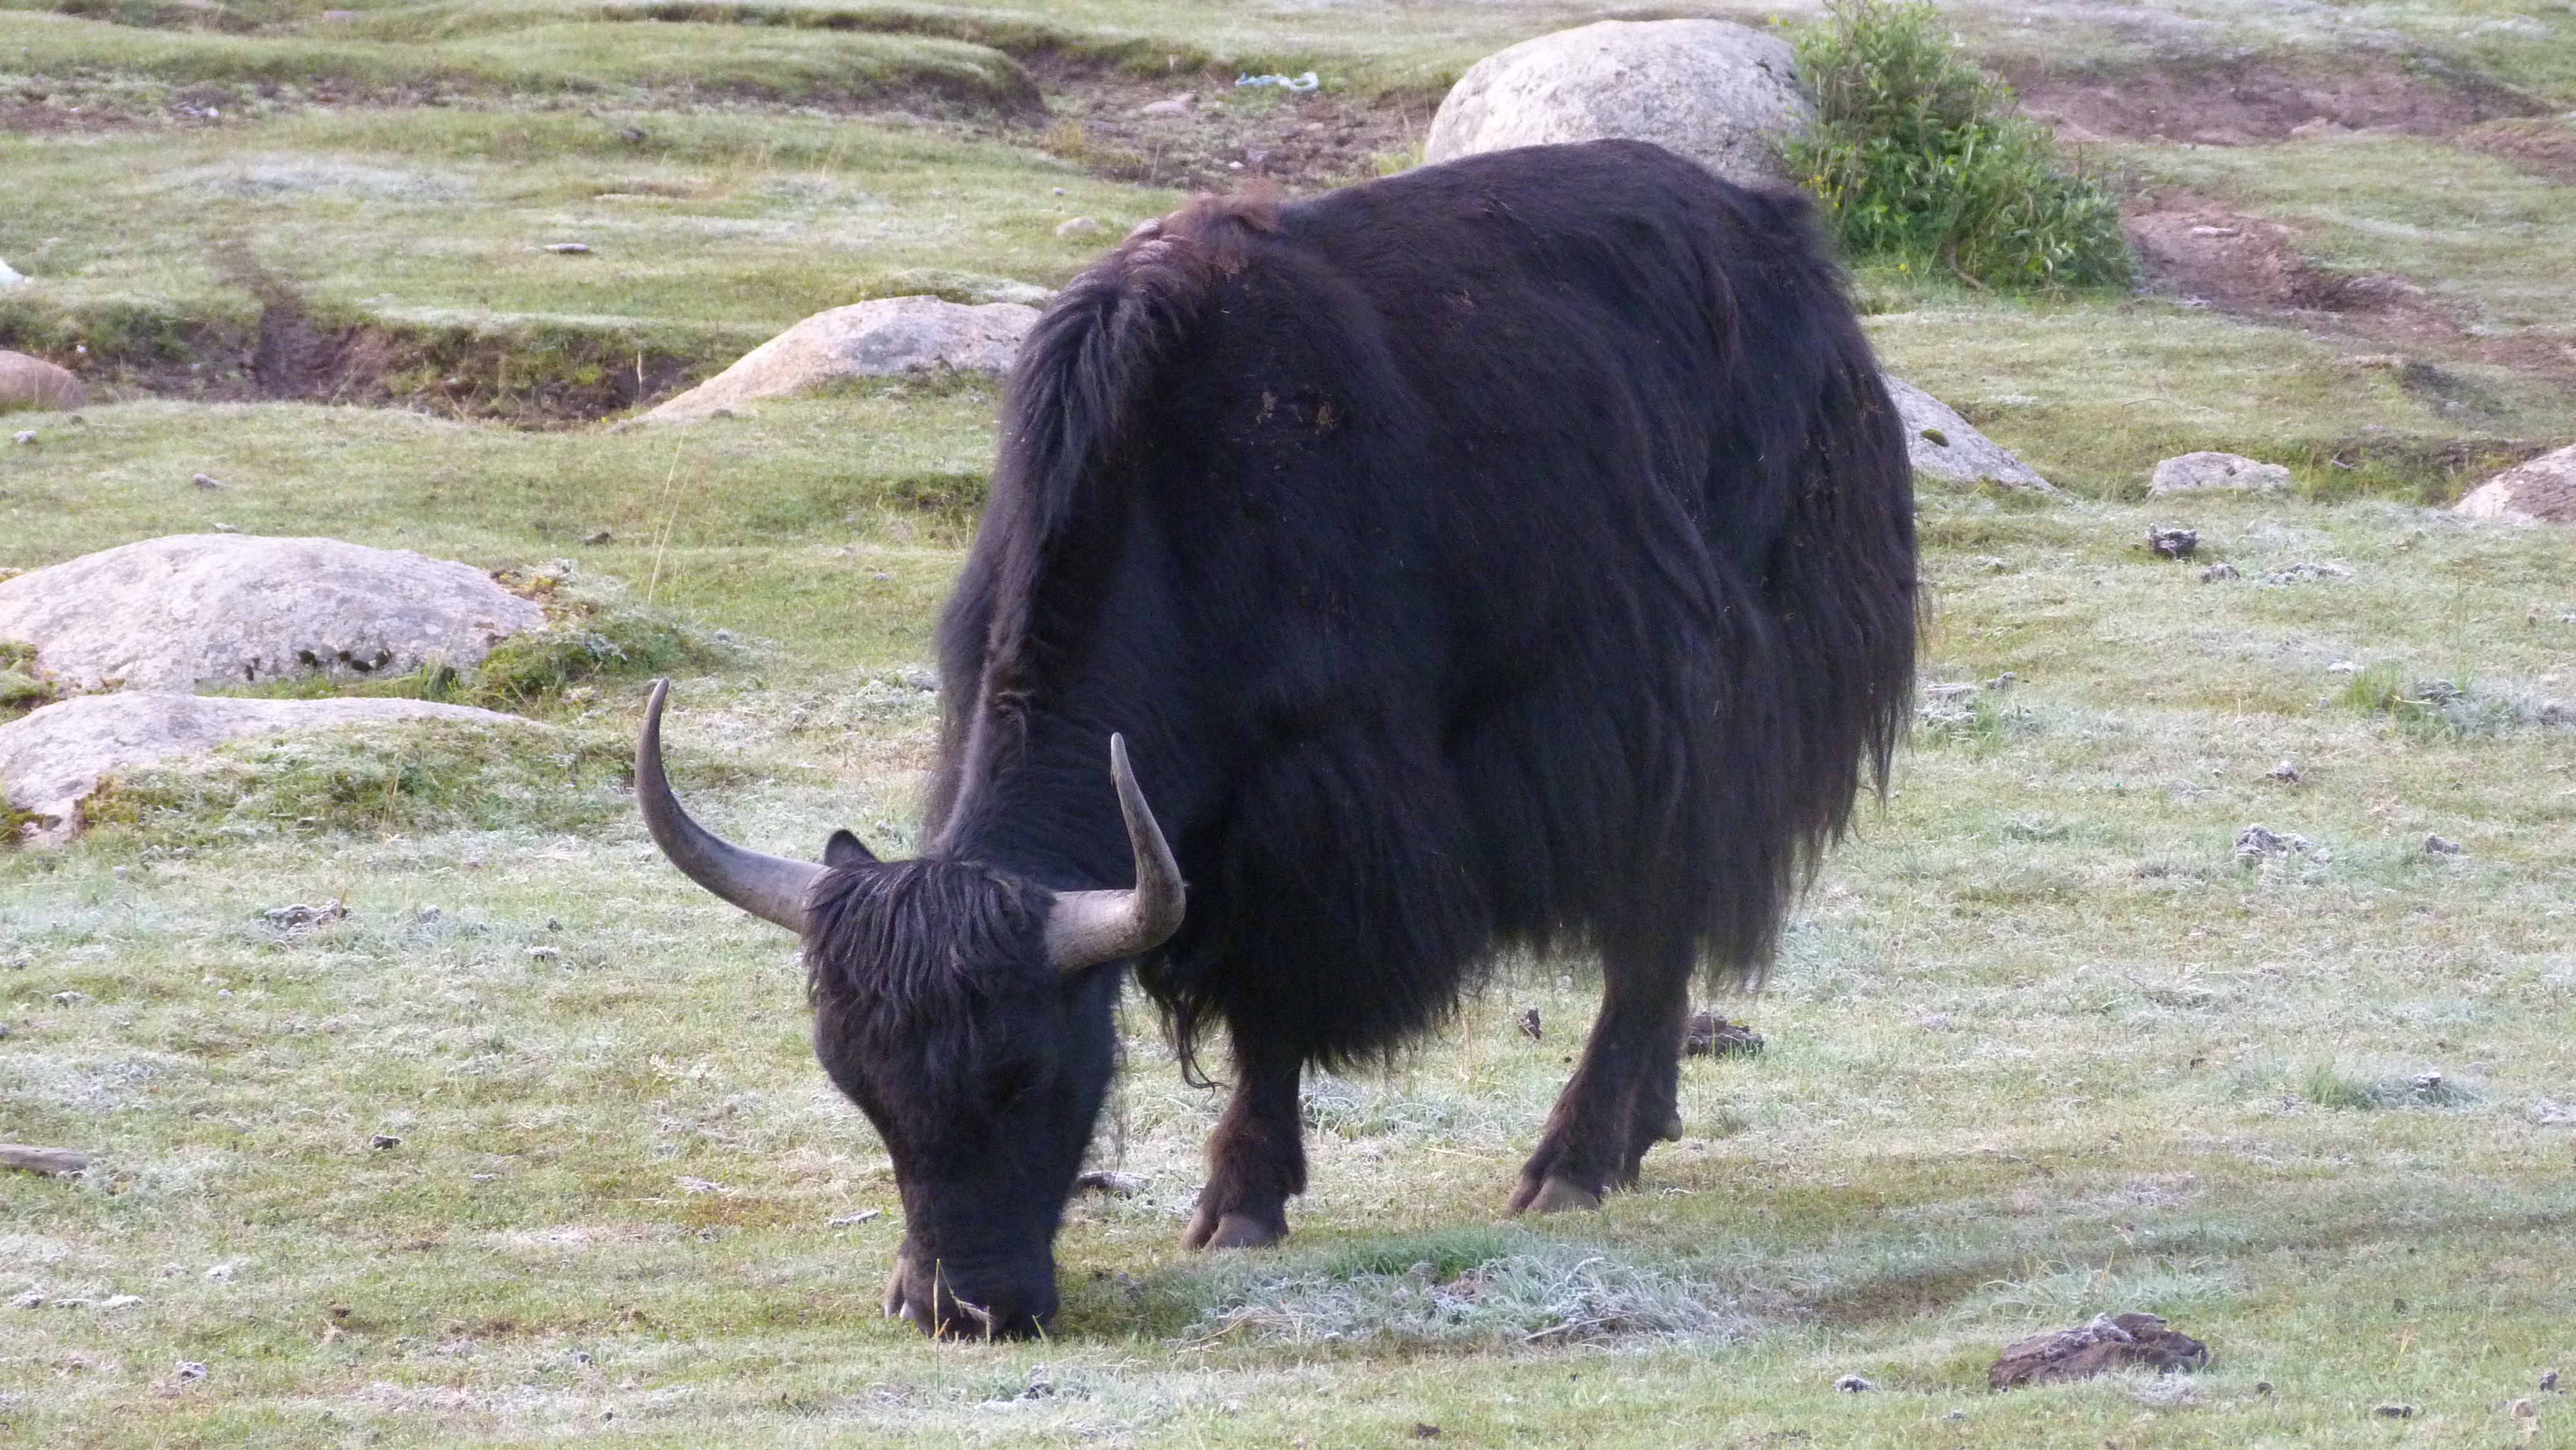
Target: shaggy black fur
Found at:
x=1514, y=550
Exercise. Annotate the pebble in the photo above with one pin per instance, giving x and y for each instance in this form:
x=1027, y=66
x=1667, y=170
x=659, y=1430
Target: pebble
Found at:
x=120, y=1301
x=1852, y=1384
x=29, y=1301
x=568, y=249
x=2439, y=846
x=207, y=480
x=220, y=1272
x=852, y=1220
x=189, y=1369
x=2287, y=773
x=382, y=1141
x=2173, y=543
x=1077, y=226
x=544, y=954
x=28, y=438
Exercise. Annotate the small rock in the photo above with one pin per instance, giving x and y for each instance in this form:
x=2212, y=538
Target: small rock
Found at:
x=2216, y=470
x=207, y=480
x=866, y=339
x=1116, y=1185
x=852, y=1220
x=1942, y=445
x=1934, y=1022
x=28, y=1301
x=224, y=528
x=70, y=998
x=1713, y=1036
x=120, y=1301
x=219, y=1273
x=631, y=135
x=2549, y=1380
x=1077, y=226
x=189, y=1369
x=2549, y=1113
x=2287, y=773
x=2110, y=1341
x=597, y=536
x=2427, y=1084
x=2303, y=573
x=1176, y=106
x=296, y=916
x=53, y=1162
x=544, y=954
x=568, y=249
x=2438, y=846
x=2393, y=1412
x=1422, y=1431
x=2260, y=843
x=2173, y=543
x=1852, y=1384
x=2218, y=572
x=27, y=438
x=11, y=276
x=383, y=1141
x=1528, y=1023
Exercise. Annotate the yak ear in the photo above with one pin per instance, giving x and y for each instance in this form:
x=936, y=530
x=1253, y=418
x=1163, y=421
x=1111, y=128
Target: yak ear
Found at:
x=845, y=849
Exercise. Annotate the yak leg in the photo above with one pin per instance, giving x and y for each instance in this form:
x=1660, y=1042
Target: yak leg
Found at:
x=1257, y=1158
x=1625, y=1093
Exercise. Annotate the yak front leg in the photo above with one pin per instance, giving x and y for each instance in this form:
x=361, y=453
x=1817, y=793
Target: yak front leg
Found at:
x=1624, y=1095
x=1257, y=1157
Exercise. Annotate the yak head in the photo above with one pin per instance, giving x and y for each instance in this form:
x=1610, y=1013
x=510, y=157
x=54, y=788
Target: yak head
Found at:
x=967, y=1011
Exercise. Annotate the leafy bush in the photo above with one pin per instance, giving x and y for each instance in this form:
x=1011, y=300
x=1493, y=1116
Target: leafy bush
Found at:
x=1920, y=159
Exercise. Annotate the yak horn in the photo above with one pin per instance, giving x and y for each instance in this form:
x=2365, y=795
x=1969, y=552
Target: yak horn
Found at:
x=1090, y=927
x=769, y=887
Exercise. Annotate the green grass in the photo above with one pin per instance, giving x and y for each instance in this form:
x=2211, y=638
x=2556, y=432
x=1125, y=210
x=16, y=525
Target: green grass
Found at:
x=2041, y=1045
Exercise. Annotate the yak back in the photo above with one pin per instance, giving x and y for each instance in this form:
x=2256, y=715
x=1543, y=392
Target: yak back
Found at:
x=1510, y=550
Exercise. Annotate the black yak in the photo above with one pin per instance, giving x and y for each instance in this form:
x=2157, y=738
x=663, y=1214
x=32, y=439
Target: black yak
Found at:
x=1517, y=550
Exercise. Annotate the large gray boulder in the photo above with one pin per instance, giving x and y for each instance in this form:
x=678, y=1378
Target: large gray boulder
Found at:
x=1942, y=445
x=235, y=609
x=54, y=759
x=33, y=383
x=866, y=339
x=2539, y=491
x=1720, y=94
x=2186, y=472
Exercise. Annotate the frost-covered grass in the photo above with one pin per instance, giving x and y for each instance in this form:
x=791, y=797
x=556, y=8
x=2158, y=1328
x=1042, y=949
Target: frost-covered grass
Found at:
x=2042, y=1043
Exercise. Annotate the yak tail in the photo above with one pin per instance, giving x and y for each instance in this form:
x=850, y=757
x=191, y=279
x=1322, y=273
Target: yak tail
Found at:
x=1070, y=411
x=1828, y=692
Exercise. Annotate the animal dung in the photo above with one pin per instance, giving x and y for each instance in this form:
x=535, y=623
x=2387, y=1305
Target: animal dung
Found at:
x=1713, y=1036
x=1116, y=1185
x=2111, y=1341
x=1528, y=1023
x=2173, y=543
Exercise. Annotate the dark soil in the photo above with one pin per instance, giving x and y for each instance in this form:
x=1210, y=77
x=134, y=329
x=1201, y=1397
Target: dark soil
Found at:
x=2542, y=147
x=2249, y=102
x=2207, y=253
x=1225, y=134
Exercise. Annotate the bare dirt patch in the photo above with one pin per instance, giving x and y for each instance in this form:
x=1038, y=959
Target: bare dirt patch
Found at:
x=2544, y=147
x=2250, y=102
x=1205, y=133
x=2206, y=253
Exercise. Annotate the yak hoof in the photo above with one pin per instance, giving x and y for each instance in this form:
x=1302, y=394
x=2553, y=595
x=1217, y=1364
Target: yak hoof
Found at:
x=1231, y=1231
x=1555, y=1195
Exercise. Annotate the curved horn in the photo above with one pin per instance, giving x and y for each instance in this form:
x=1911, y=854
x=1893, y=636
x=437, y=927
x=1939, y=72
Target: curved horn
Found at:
x=1090, y=927
x=769, y=887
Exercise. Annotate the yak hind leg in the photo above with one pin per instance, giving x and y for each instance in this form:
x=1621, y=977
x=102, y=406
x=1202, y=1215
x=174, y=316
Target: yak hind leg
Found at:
x=1625, y=1093
x=1256, y=1158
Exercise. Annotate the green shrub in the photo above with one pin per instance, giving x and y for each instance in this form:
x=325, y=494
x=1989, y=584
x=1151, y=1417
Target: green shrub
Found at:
x=1919, y=159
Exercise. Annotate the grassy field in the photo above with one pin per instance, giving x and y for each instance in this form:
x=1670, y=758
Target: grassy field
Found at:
x=529, y=1146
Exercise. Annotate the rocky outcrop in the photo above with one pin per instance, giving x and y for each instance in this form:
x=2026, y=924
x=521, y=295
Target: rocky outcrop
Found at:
x=1720, y=94
x=867, y=339
x=2540, y=491
x=170, y=613
x=2188, y=471
x=1942, y=445
x=33, y=383
x=54, y=759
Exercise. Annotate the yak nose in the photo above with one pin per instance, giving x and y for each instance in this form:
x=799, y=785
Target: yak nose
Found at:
x=933, y=1304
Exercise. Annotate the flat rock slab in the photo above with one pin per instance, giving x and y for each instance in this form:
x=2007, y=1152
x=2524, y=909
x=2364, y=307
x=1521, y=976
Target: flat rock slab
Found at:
x=52, y=760
x=2539, y=491
x=1941, y=444
x=2111, y=1341
x=2186, y=472
x=867, y=339
x=32, y=382
x=1721, y=94
x=234, y=609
